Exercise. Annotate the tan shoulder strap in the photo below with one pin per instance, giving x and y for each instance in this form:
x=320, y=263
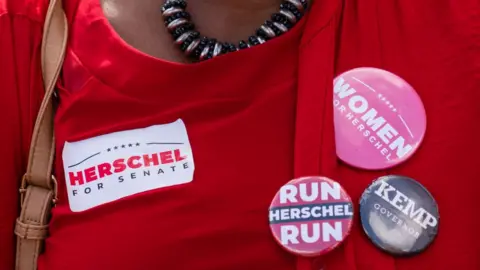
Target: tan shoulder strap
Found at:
x=38, y=188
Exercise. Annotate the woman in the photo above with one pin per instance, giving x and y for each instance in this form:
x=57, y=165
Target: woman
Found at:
x=233, y=126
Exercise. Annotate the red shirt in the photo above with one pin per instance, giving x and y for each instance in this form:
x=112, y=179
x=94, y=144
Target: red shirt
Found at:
x=254, y=119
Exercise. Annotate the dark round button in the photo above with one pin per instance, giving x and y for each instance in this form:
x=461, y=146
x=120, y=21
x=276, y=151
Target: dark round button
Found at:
x=311, y=216
x=399, y=215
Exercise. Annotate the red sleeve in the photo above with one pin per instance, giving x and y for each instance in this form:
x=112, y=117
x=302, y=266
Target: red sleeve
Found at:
x=21, y=90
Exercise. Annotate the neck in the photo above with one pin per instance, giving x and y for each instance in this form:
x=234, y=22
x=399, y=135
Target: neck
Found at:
x=230, y=20
x=140, y=23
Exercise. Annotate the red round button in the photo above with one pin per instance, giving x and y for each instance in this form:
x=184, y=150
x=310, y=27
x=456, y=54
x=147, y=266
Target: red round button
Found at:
x=311, y=216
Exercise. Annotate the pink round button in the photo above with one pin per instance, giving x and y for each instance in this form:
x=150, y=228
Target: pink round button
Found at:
x=379, y=118
x=311, y=216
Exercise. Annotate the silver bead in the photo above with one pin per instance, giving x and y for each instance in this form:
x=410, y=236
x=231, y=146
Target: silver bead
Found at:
x=260, y=40
x=217, y=49
x=270, y=33
x=297, y=4
x=204, y=53
x=171, y=11
x=280, y=26
x=176, y=23
x=192, y=46
x=183, y=37
x=289, y=15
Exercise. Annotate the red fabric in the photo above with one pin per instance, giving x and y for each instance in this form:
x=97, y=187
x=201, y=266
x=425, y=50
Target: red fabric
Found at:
x=21, y=92
x=269, y=118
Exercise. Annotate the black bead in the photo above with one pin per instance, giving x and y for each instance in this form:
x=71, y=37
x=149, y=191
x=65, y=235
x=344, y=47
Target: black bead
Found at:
x=204, y=40
x=297, y=14
x=230, y=47
x=211, y=42
x=222, y=49
x=187, y=42
x=292, y=8
x=225, y=48
x=287, y=6
x=262, y=34
x=210, y=52
x=277, y=17
x=177, y=3
x=304, y=3
x=198, y=51
x=242, y=45
x=277, y=31
x=182, y=29
x=280, y=18
x=195, y=34
x=184, y=45
x=201, y=45
x=189, y=39
x=253, y=41
x=183, y=14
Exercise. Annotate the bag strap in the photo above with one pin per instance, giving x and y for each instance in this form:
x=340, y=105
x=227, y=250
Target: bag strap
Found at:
x=38, y=188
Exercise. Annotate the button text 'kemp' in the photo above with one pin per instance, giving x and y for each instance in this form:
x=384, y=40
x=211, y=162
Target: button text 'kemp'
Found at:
x=401, y=202
x=119, y=165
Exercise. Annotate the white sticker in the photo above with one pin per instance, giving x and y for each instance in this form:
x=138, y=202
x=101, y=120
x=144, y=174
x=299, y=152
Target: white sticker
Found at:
x=113, y=166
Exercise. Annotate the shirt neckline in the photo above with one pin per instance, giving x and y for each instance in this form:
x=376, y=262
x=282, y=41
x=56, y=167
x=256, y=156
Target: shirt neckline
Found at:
x=113, y=61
